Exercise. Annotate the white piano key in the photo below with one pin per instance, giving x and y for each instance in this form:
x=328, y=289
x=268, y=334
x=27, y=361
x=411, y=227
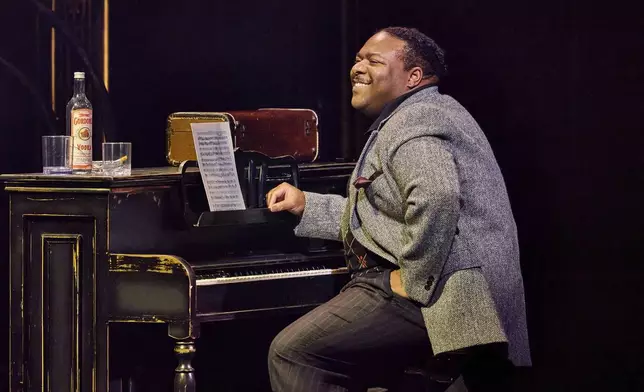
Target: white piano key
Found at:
x=273, y=276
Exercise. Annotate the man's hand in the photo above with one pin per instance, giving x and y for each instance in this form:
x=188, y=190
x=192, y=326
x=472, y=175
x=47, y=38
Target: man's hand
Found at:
x=396, y=284
x=286, y=197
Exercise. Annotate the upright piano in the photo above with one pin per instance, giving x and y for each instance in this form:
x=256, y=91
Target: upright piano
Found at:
x=90, y=251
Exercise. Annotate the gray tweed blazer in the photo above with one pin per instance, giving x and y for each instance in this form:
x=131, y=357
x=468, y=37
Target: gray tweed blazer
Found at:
x=439, y=209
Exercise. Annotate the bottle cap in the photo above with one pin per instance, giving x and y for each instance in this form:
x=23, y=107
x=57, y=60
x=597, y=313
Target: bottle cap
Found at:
x=79, y=75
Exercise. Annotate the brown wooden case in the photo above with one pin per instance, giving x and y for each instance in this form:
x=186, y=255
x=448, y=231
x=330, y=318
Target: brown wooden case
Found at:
x=278, y=132
x=273, y=132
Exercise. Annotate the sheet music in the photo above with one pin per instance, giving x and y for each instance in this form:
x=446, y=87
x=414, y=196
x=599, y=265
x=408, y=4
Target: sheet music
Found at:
x=214, y=147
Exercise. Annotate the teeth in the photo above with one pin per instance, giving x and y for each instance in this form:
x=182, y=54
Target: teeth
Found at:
x=359, y=84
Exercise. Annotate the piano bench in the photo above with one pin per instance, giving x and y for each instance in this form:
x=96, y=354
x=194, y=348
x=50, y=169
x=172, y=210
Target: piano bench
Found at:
x=505, y=378
x=416, y=379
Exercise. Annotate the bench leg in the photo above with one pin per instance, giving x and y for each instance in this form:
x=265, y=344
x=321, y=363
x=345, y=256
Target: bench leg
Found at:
x=184, y=374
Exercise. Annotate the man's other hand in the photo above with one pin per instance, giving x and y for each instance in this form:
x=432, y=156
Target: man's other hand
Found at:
x=396, y=284
x=286, y=197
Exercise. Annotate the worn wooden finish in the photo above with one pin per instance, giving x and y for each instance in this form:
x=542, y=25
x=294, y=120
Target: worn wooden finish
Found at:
x=87, y=251
x=184, y=378
x=58, y=255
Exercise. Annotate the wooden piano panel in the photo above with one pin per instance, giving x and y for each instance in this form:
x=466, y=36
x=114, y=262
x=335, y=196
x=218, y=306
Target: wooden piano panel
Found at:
x=57, y=266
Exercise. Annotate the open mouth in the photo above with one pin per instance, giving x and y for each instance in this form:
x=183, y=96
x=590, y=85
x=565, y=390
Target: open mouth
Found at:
x=357, y=83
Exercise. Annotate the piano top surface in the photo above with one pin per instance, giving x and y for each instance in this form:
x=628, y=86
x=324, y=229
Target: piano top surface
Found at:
x=143, y=176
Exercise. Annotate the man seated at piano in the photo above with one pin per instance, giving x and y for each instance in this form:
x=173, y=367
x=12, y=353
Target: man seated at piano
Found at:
x=428, y=234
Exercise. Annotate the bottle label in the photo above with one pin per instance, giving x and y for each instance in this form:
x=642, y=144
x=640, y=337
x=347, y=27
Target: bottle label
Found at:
x=82, y=135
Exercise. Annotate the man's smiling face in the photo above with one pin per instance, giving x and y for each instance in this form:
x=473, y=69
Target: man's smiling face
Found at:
x=378, y=75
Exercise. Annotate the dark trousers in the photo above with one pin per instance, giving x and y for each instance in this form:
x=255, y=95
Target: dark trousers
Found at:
x=350, y=343
x=364, y=337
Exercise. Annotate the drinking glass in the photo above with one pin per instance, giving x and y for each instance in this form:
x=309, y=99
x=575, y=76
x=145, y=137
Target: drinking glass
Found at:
x=57, y=154
x=117, y=159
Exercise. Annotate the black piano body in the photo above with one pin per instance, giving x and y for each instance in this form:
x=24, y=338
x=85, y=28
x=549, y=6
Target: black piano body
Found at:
x=88, y=251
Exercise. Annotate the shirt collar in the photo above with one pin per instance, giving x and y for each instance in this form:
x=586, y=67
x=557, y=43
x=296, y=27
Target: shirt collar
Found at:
x=393, y=105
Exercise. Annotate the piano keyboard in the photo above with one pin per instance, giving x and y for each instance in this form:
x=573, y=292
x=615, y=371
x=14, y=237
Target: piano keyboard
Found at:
x=239, y=287
x=253, y=276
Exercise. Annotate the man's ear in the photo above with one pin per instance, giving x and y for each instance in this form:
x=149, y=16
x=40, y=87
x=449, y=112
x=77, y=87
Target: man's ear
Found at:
x=415, y=77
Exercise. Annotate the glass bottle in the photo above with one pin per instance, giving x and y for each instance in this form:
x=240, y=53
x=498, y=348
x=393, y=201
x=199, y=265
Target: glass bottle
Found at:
x=79, y=126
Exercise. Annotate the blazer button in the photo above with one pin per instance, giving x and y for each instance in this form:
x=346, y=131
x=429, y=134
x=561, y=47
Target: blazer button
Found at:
x=430, y=282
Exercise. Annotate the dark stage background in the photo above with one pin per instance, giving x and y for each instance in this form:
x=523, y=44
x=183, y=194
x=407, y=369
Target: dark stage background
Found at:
x=556, y=85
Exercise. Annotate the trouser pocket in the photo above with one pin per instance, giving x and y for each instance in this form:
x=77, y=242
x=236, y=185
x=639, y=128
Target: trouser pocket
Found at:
x=375, y=278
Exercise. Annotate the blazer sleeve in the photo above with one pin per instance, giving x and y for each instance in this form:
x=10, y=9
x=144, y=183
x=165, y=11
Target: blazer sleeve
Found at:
x=426, y=175
x=321, y=216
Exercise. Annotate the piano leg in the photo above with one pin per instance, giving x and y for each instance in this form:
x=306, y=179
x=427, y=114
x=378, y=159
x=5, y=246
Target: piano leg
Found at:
x=184, y=376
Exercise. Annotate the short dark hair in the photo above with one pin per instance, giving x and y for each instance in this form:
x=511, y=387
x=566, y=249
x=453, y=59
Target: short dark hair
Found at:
x=420, y=51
